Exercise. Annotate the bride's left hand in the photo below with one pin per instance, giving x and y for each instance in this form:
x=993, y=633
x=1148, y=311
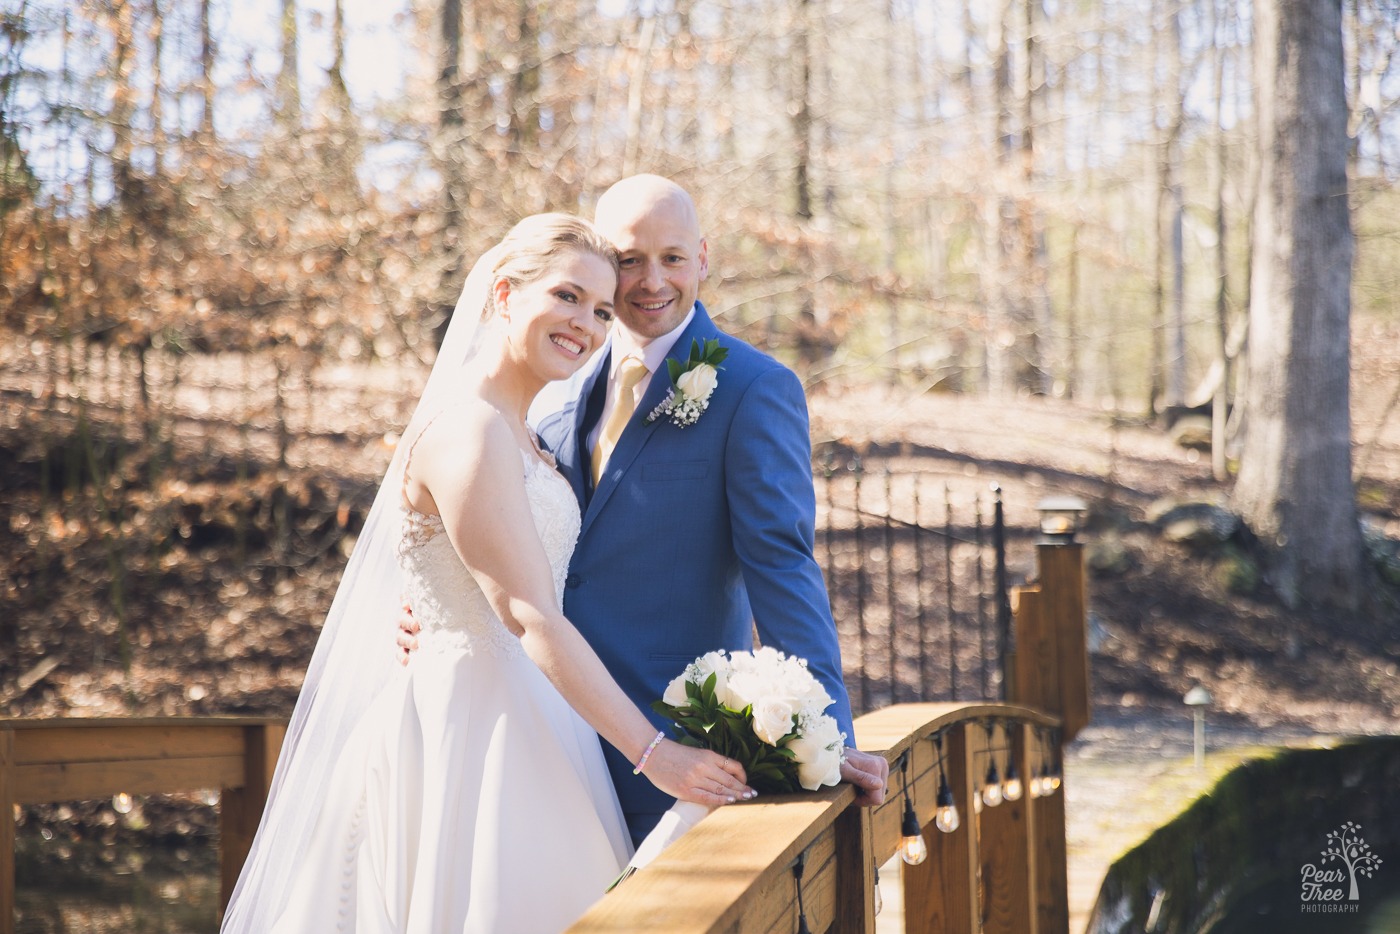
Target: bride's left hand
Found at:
x=697, y=775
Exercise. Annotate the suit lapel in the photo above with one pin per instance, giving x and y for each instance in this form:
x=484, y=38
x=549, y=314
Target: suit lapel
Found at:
x=635, y=435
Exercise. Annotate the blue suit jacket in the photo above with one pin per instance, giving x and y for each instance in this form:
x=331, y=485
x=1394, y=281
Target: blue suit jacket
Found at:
x=695, y=534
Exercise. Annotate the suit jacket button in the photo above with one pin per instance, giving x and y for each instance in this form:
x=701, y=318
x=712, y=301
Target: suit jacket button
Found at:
x=573, y=580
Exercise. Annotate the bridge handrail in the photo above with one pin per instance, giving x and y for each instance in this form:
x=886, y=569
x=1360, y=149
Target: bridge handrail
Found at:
x=1002, y=870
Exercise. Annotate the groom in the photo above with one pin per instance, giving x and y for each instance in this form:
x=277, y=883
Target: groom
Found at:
x=690, y=535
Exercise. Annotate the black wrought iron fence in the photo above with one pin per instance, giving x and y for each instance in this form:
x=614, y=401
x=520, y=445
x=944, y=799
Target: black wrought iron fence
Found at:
x=916, y=569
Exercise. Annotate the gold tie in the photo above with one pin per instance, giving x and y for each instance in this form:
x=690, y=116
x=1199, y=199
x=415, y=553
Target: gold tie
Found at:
x=629, y=374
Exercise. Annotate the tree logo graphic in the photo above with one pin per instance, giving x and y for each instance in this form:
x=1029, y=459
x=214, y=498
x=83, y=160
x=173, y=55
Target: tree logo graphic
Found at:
x=1328, y=880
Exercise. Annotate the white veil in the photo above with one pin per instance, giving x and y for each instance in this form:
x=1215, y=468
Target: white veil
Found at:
x=355, y=653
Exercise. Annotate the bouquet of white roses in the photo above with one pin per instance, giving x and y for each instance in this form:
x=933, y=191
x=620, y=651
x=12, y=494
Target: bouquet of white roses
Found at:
x=764, y=710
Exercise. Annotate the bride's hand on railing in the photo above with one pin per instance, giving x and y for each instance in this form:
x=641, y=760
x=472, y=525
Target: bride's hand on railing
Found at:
x=697, y=775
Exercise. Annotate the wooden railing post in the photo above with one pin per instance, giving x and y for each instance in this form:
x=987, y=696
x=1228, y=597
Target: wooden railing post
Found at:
x=940, y=894
x=1051, y=671
x=855, y=873
x=7, y=831
x=240, y=809
x=1049, y=851
x=1004, y=844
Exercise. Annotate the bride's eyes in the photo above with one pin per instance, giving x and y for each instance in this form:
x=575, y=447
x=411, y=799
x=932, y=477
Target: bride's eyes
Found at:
x=567, y=296
x=604, y=315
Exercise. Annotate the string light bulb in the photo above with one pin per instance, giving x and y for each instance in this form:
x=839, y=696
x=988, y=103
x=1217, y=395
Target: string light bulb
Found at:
x=879, y=899
x=946, y=817
x=1011, y=788
x=912, y=848
x=991, y=785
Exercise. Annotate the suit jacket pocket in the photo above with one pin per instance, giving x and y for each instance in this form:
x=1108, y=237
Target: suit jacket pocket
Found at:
x=675, y=470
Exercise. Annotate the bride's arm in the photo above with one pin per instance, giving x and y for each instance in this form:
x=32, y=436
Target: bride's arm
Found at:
x=473, y=474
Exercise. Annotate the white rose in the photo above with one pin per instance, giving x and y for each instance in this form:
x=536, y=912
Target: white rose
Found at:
x=717, y=664
x=675, y=691
x=772, y=720
x=819, y=753
x=698, y=383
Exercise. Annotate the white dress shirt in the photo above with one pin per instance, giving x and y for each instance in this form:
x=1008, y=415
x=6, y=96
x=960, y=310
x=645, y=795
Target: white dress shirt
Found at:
x=653, y=353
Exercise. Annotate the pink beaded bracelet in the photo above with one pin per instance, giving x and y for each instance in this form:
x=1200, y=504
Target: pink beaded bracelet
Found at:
x=642, y=763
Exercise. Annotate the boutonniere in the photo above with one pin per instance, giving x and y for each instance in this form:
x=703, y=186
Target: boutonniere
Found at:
x=692, y=384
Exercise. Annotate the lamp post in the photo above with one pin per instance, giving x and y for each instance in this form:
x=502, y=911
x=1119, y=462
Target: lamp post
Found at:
x=1059, y=518
x=1198, y=698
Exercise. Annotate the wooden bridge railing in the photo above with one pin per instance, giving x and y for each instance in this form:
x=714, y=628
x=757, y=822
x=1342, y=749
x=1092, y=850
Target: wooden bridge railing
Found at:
x=1001, y=872
x=69, y=760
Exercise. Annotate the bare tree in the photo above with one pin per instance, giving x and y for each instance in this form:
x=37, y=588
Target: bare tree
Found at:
x=1295, y=487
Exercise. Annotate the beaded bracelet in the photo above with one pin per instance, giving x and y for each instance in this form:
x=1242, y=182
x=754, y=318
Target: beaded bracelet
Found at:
x=642, y=763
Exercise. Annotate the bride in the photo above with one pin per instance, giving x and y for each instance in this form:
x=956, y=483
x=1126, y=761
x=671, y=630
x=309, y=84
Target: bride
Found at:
x=468, y=791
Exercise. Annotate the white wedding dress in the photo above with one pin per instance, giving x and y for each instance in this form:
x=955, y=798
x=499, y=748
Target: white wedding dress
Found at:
x=471, y=797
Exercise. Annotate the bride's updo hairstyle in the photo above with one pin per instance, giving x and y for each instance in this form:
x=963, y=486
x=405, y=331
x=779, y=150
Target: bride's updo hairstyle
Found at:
x=537, y=241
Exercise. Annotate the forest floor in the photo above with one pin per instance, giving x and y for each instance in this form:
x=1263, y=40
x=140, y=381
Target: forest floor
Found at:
x=221, y=597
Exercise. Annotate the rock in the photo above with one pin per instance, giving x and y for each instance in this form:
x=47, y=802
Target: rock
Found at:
x=1192, y=432
x=1237, y=572
x=1108, y=556
x=1198, y=524
x=1383, y=551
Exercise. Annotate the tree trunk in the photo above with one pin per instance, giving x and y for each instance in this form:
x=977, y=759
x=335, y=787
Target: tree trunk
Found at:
x=123, y=95
x=1295, y=488
x=288, y=83
x=157, y=33
x=206, y=73
x=451, y=157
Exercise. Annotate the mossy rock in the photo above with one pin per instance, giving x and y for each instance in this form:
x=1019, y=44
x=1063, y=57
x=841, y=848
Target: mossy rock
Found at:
x=1237, y=572
x=1266, y=819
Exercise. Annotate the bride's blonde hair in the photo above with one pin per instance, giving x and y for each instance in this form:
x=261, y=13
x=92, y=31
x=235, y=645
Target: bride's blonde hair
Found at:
x=536, y=241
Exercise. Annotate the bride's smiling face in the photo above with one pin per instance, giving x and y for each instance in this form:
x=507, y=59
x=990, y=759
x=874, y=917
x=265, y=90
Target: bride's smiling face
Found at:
x=556, y=321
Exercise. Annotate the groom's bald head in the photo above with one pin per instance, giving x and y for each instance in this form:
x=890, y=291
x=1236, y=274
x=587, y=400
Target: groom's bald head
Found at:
x=654, y=225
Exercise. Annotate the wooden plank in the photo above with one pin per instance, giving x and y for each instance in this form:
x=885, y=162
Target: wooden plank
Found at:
x=1037, y=677
x=1062, y=581
x=776, y=910
x=940, y=894
x=20, y=724
x=77, y=781
x=7, y=832
x=855, y=874
x=1051, y=859
x=691, y=888
x=1005, y=856
x=242, y=800
x=63, y=743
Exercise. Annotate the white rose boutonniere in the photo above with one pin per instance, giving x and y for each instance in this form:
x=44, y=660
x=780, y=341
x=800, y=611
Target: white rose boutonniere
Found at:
x=692, y=384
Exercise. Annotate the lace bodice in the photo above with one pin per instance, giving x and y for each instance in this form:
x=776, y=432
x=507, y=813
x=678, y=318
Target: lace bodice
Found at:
x=446, y=600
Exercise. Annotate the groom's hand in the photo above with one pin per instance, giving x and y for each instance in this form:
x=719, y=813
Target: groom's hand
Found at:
x=870, y=774
x=407, y=638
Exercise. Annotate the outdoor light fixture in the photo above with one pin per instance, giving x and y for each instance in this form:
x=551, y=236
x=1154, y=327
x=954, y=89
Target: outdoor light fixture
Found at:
x=946, y=817
x=1059, y=518
x=1011, y=786
x=991, y=785
x=1045, y=782
x=912, y=848
x=1198, y=699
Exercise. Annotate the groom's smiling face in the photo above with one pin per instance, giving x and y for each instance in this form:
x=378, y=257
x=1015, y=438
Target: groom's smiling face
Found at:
x=663, y=260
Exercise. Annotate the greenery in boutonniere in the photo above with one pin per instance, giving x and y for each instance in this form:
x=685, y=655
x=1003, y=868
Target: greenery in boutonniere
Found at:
x=692, y=384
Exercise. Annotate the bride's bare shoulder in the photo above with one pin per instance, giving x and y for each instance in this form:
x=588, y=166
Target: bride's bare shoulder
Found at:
x=465, y=432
